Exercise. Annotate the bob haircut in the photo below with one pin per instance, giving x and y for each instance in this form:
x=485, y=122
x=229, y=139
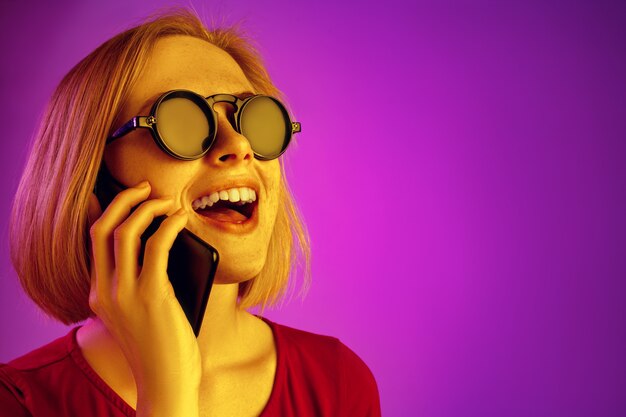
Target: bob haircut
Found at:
x=49, y=228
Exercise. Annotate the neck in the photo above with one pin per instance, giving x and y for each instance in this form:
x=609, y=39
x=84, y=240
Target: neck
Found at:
x=220, y=339
x=230, y=339
x=223, y=326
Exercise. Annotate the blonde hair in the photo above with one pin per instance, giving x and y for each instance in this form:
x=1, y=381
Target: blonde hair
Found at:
x=49, y=227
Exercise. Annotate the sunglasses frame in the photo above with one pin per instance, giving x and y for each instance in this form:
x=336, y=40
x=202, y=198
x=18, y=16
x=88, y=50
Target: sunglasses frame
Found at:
x=206, y=105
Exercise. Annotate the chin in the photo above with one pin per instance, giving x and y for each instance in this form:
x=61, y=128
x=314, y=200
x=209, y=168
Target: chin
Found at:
x=226, y=275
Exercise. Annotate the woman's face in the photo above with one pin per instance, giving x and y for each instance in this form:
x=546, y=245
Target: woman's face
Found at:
x=182, y=62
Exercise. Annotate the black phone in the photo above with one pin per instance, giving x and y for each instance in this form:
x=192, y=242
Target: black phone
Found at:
x=192, y=262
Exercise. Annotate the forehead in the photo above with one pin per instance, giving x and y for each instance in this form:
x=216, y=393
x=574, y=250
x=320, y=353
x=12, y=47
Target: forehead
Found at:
x=184, y=62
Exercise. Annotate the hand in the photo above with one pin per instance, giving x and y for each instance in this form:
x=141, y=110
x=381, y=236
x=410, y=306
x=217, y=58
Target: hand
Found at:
x=138, y=305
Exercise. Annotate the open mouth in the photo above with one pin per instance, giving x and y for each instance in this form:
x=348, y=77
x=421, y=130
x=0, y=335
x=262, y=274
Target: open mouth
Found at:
x=233, y=205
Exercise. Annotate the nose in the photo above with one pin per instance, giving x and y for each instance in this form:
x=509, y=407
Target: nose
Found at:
x=229, y=147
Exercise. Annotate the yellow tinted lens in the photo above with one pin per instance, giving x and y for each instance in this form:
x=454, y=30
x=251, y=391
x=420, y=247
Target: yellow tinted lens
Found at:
x=263, y=124
x=183, y=126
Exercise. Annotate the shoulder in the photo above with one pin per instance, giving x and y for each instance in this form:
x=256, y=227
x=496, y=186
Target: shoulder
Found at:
x=303, y=342
x=314, y=355
x=325, y=363
x=359, y=391
x=320, y=348
x=12, y=397
x=44, y=356
x=34, y=365
x=41, y=373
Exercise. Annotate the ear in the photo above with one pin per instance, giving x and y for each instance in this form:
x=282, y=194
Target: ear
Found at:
x=94, y=211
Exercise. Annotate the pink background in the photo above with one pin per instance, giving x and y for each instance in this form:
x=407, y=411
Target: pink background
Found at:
x=462, y=173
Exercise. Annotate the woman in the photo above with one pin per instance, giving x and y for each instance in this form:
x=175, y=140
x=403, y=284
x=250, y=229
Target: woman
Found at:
x=80, y=261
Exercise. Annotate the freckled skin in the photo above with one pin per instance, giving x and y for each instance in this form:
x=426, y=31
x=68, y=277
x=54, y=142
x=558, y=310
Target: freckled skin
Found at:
x=140, y=342
x=181, y=62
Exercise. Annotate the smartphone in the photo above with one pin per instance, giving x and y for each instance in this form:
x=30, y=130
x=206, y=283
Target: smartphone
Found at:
x=192, y=262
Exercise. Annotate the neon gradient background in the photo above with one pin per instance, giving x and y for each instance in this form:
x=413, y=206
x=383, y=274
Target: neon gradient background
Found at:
x=462, y=173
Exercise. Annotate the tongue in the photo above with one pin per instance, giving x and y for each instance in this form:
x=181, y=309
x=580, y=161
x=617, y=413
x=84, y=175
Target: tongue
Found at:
x=223, y=214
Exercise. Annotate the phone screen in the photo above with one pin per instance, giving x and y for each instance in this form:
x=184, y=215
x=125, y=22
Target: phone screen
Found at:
x=191, y=264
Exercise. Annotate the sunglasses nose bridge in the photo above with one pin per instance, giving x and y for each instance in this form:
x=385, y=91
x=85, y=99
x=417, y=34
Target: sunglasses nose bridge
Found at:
x=229, y=144
x=227, y=112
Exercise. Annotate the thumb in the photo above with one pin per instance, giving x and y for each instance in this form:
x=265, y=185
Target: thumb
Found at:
x=94, y=211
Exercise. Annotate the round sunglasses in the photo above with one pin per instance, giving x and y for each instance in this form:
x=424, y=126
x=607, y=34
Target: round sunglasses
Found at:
x=184, y=125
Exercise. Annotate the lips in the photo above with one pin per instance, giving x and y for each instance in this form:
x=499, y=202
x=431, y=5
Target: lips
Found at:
x=227, y=211
x=228, y=220
x=234, y=205
x=229, y=204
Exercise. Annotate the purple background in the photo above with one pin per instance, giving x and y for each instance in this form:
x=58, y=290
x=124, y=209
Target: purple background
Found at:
x=462, y=173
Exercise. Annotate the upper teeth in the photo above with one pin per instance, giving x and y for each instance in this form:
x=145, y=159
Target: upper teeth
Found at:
x=240, y=195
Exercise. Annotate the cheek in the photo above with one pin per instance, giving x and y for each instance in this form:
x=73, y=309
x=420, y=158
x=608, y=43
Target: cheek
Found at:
x=135, y=159
x=271, y=176
x=131, y=158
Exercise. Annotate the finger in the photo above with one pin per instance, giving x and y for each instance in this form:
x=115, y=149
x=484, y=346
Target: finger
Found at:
x=101, y=234
x=121, y=206
x=127, y=242
x=158, y=247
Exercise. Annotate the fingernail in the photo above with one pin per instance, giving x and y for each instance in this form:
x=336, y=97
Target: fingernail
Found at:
x=181, y=212
x=143, y=184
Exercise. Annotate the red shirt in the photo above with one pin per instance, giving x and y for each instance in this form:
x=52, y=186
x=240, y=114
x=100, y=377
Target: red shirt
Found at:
x=315, y=376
